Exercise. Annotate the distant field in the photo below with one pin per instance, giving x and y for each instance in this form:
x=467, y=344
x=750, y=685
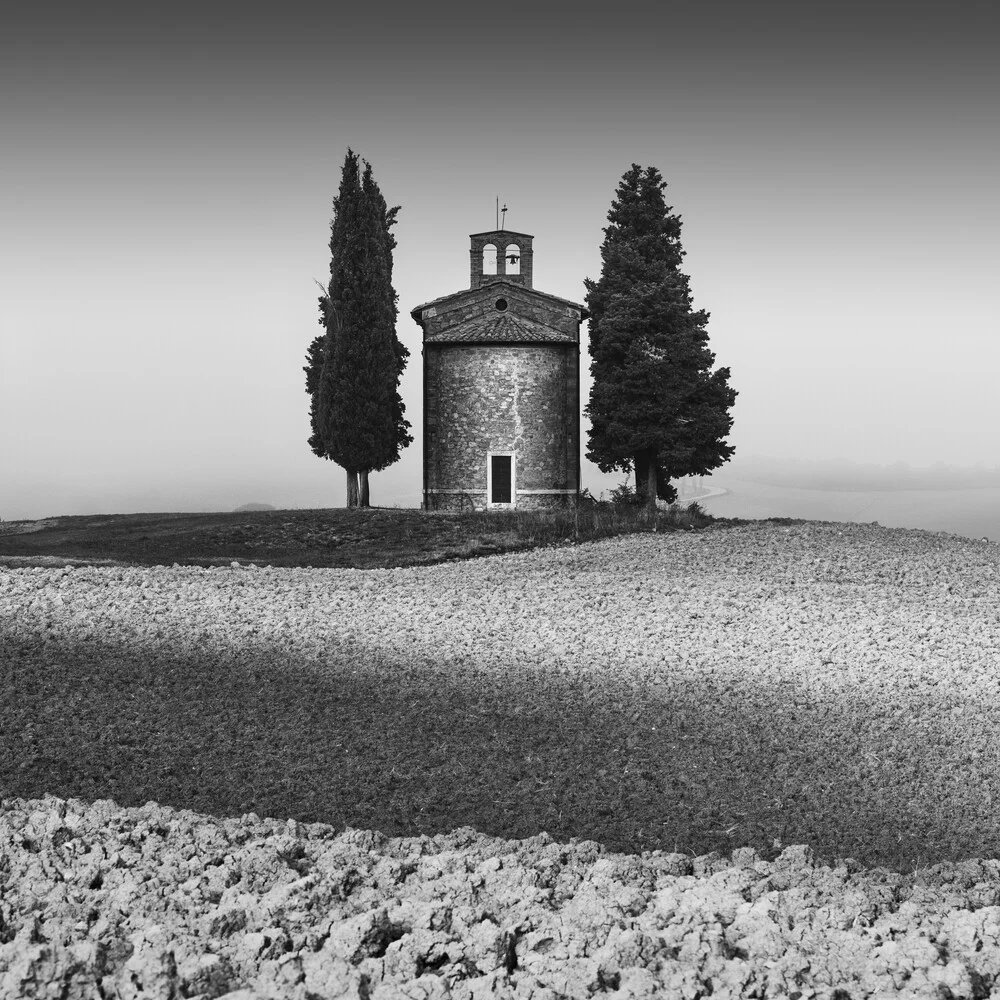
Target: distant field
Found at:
x=975, y=513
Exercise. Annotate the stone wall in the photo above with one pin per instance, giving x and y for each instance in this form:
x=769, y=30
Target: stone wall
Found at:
x=468, y=503
x=516, y=398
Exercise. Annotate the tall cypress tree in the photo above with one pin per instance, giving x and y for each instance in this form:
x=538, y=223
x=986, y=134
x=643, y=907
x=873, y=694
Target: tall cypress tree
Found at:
x=353, y=368
x=655, y=404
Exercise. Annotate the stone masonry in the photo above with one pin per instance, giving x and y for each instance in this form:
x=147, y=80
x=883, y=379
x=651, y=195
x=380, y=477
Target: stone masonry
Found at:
x=501, y=387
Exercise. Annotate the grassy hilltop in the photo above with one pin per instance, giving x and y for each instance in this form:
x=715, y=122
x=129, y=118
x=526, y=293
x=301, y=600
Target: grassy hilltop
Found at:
x=335, y=537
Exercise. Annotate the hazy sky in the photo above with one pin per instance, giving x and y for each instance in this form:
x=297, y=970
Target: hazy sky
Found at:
x=168, y=177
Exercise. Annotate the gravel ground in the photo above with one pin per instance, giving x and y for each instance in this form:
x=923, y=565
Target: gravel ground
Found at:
x=866, y=661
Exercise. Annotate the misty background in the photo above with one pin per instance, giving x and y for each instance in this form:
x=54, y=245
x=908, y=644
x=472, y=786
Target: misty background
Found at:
x=168, y=178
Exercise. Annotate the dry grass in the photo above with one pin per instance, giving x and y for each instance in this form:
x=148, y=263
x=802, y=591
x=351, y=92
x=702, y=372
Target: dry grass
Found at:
x=361, y=539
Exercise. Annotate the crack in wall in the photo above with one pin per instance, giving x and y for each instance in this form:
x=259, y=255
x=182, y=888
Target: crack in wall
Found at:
x=515, y=405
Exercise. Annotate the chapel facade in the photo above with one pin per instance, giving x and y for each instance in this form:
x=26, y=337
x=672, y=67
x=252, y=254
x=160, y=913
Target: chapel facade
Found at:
x=501, y=381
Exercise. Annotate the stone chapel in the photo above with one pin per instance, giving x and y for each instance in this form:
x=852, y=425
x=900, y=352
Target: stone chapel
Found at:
x=501, y=386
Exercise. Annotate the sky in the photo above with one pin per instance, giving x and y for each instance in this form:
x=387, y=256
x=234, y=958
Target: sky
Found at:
x=168, y=176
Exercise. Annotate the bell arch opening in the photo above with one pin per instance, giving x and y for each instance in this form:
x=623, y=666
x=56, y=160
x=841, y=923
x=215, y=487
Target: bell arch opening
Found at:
x=489, y=259
x=512, y=259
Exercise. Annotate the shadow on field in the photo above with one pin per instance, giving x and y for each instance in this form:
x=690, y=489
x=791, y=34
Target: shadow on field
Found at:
x=255, y=730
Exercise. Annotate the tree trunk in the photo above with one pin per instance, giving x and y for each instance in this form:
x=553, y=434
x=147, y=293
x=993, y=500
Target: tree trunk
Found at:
x=363, y=488
x=352, y=488
x=641, y=463
x=645, y=478
x=651, y=483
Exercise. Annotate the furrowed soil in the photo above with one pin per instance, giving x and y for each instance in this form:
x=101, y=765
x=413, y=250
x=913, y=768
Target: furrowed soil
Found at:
x=153, y=902
x=834, y=683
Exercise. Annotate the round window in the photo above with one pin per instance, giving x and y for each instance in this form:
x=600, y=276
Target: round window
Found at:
x=501, y=304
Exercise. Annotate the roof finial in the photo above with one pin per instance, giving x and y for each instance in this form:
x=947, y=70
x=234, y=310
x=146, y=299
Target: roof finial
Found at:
x=504, y=219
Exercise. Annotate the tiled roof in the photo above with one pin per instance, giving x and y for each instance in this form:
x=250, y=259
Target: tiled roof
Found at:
x=493, y=286
x=504, y=328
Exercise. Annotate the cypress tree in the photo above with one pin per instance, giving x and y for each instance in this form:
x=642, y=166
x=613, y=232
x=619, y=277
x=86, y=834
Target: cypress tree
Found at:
x=655, y=404
x=353, y=368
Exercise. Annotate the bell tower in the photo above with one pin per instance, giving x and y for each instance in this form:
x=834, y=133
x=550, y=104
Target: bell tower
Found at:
x=500, y=255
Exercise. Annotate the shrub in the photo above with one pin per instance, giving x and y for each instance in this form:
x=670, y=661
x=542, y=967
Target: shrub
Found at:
x=691, y=515
x=624, y=495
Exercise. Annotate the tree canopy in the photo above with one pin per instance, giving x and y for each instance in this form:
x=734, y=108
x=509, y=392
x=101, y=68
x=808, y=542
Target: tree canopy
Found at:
x=655, y=403
x=353, y=368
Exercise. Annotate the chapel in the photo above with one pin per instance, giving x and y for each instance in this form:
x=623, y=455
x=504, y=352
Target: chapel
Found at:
x=501, y=386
